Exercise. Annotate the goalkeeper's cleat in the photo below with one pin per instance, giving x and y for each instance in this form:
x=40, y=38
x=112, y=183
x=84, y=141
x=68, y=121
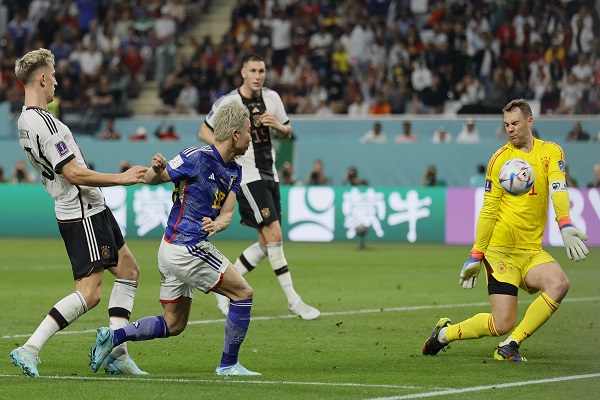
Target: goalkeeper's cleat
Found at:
x=27, y=360
x=123, y=365
x=236, y=369
x=508, y=352
x=433, y=346
x=101, y=348
x=304, y=311
x=222, y=303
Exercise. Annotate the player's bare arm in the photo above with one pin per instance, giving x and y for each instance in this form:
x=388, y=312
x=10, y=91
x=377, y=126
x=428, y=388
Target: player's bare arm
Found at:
x=284, y=131
x=157, y=174
x=76, y=175
x=206, y=134
x=222, y=221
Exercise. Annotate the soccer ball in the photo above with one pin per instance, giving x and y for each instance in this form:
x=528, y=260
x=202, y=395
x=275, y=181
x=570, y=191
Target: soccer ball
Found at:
x=516, y=177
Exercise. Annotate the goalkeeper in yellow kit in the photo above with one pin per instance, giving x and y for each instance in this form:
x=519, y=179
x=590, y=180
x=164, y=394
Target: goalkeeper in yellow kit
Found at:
x=509, y=244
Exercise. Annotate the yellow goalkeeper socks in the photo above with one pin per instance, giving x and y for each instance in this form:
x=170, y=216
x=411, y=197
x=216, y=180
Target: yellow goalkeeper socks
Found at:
x=536, y=315
x=475, y=327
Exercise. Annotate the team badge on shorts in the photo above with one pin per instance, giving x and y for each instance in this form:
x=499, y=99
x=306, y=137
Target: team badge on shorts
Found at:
x=105, y=252
x=501, y=268
x=265, y=212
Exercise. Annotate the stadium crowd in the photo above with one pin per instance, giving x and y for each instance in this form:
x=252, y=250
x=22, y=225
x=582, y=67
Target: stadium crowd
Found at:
x=356, y=57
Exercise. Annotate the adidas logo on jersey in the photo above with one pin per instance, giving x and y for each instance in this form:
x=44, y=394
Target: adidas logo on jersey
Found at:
x=212, y=177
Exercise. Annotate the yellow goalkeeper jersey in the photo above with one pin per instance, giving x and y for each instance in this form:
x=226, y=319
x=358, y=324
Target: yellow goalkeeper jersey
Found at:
x=519, y=221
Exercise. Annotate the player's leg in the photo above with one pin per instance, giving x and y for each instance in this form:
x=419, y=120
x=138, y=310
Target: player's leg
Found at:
x=85, y=244
x=260, y=207
x=235, y=287
x=62, y=314
x=175, y=264
x=554, y=284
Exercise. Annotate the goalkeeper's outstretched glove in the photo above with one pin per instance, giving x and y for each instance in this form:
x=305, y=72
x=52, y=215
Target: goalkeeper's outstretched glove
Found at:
x=470, y=270
x=573, y=239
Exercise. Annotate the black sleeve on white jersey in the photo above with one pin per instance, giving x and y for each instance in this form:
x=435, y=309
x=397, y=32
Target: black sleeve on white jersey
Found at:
x=63, y=162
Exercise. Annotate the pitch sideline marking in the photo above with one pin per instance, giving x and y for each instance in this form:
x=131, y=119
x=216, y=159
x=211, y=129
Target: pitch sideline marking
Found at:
x=326, y=314
x=219, y=381
x=447, y=392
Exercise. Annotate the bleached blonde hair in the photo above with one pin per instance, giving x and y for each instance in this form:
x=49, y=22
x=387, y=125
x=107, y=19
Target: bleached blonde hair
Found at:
x=230, y=117
x=30, y=63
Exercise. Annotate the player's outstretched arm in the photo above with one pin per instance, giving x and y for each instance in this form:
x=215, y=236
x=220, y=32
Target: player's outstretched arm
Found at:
x=77, y=175
x=157, y=173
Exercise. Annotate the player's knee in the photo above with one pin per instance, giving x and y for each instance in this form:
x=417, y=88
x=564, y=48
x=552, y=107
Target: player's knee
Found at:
x=128, y=268
x=559, y=288
x=176, y=329
x=92, y=298
x=243, y=293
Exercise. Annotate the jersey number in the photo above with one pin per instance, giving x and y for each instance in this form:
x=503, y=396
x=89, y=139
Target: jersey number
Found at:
x=219, y=199
x=260, y=135
x=47, y=173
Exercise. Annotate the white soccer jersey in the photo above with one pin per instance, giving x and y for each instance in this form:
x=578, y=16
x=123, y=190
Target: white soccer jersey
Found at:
x=259, y=161
x=49, y=144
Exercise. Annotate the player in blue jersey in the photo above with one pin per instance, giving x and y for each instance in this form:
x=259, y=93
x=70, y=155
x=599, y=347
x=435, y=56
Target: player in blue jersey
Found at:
x=207, y=182
x=259, y=199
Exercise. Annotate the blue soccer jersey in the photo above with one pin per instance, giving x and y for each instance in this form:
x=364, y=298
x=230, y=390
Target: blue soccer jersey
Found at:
x=202, y=182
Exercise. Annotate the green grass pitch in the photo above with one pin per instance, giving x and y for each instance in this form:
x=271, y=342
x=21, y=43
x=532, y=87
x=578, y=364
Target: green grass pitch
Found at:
x=378, y=306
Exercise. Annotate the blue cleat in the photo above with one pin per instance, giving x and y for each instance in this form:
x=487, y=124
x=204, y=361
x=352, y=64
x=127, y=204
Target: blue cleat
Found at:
x=123, y=365
x=508, y=352
x=236, y=369
x=102, y=348
x=27, y=360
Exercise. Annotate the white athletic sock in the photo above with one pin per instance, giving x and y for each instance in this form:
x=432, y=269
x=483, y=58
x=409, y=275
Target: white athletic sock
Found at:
x=60, y=316
x=508, y=340
x=120, y=306
x=280, y=266
x=250, y=258
x=442, y=336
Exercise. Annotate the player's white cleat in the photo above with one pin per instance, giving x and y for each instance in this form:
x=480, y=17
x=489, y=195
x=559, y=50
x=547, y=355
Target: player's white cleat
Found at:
x=304, y=311
x=236, y=369
x=222, y=303
x=27, y=360
x=123, y=365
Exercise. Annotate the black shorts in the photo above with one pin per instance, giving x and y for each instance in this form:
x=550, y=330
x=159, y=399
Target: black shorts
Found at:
x=260, y=203
x=91, y=243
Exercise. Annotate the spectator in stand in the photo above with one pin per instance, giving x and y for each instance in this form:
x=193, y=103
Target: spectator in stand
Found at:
x=577, y=134
x=469, y=133
x=102, y=98
x=430, y=177
x=596, y=182
x=570, y=97
x=358, y=108
x=316, y=176
x=110, y=133
x=433, y=98
x=167, y=133
x=571, y=182
x=2, y=178
x=381, y=106
x=286, y=174
x=140, y=135
x=353, y=179
x=375, y=135
x=407, y=135
x=20, y=174
x=441, y=135
x=478, y=180
x=169, y=92
x=188, y=99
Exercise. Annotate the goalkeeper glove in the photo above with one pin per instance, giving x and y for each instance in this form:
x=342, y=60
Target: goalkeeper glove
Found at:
x=573, y=239
x=470, y=270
